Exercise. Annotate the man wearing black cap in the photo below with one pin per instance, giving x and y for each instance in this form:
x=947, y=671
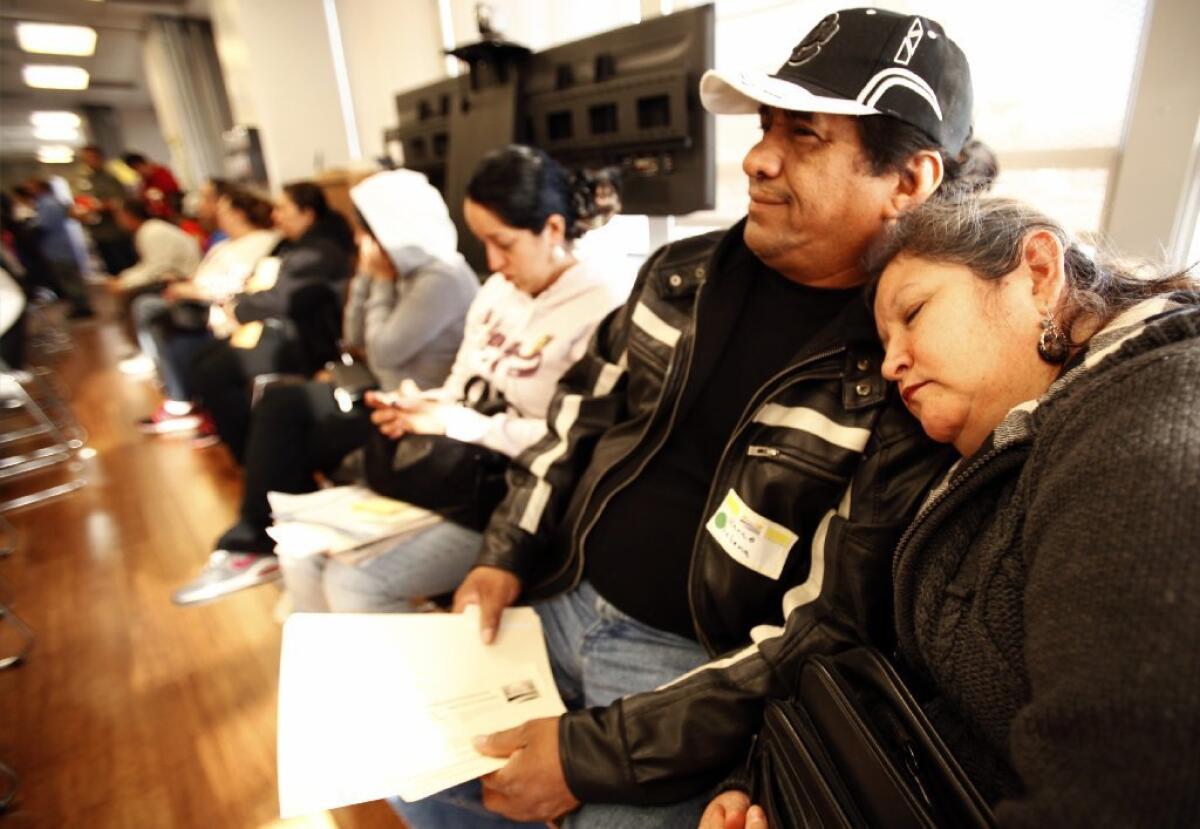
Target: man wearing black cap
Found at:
x=726, y=471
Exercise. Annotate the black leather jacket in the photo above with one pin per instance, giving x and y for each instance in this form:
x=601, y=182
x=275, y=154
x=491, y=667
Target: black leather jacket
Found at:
x=824, y=448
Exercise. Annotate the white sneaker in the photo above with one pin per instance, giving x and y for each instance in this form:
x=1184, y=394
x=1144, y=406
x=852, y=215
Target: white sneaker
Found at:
x=227, y=573
x=138, y=365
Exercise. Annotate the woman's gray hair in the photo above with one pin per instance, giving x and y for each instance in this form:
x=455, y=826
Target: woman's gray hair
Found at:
x=987, y=236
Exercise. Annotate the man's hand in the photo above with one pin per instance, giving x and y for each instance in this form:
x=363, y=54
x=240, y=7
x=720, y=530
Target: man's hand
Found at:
x=531, y=786
x=493, y=590
x=732, y=810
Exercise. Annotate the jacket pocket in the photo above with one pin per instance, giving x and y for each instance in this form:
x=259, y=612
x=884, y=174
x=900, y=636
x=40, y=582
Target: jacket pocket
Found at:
x=793, y=460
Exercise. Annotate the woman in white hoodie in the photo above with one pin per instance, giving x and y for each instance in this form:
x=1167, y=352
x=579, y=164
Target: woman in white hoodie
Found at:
x=531, y=321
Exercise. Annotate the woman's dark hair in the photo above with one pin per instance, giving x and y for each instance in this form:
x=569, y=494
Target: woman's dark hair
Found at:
x=136, y=208
x=988, y=237
x=307, y=196
x=133, y=159
x=524, y=187
x=221, y=186
x=890, y=143
x=327, y=222
x=254, y=207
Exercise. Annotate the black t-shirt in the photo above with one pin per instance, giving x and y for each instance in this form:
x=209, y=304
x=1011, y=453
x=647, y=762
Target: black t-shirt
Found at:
x=639, y=552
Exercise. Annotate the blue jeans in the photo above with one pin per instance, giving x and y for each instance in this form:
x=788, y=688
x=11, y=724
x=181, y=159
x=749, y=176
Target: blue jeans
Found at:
x=598, y=655
x=170, y=348
x=428, y=564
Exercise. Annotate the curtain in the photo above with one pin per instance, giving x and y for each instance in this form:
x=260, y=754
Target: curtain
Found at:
x=188, y=90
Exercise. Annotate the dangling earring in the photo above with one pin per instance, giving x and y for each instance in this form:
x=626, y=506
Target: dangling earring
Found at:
x=1052, y=344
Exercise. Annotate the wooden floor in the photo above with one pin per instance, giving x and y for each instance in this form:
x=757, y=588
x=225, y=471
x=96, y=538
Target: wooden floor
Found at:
x=131, y=712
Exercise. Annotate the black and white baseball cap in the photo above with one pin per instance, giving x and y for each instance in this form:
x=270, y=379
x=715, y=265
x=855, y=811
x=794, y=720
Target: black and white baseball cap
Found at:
x=862, y=62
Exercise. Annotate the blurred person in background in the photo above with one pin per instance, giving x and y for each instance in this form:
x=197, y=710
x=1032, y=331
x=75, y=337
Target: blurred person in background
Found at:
x=207, y=197
x=173, y=326
x=288, y=317
x=19, y=221
x=58, y=252
x=165, y=252
x=99, y=198
x=158, y=189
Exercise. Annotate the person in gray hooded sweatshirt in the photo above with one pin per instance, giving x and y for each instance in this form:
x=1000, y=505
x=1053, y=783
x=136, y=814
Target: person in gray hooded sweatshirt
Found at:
x=405, y=312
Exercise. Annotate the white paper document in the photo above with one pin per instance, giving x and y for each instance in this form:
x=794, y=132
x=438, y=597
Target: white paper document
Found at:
x=382, y=704
x=345, y=521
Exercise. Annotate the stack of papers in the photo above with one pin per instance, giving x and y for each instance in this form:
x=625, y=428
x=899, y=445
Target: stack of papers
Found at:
x=384, y=704
x=350, y=522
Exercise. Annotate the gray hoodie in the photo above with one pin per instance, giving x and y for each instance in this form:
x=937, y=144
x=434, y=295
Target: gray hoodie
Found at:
x=409, y=327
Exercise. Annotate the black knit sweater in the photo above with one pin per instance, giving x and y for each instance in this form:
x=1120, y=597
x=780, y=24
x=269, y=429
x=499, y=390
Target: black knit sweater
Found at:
x=1051, y=596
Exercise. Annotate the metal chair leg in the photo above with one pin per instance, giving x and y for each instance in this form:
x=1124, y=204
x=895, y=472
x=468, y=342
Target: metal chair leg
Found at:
x=23, y=631
x=8, y=787
x=61, y=449
x=8, y=534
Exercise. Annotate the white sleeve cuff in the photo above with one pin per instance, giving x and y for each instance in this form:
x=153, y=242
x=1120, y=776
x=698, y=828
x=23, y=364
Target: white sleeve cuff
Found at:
x=466, y=424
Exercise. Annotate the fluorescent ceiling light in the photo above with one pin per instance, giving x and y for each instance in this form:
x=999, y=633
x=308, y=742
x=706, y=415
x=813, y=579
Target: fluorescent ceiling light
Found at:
x=56, y=133
x=55, y=77
x=55, y=39
x=55, y=118
x=55, y=154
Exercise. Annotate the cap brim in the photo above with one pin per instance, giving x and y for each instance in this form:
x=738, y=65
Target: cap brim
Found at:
x=742, y=93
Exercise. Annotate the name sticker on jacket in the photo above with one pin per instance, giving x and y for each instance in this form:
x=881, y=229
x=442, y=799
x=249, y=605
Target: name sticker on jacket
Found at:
x=750, y=539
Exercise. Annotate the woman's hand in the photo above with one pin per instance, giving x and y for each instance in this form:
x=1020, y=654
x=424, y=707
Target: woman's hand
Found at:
x=397, y=417
x=732, y=810
x=373, y=261
x=184, y=289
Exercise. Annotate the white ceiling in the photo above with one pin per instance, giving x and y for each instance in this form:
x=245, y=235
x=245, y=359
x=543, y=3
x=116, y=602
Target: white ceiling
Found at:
x=115, y=68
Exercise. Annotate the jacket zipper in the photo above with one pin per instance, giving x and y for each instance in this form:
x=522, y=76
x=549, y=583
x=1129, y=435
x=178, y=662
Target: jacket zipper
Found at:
x=786, y=458
x=687, y=370
x=956, y=482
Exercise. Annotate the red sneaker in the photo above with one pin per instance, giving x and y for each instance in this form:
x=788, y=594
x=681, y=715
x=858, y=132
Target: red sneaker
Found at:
x=206, y=432
x=163, y=422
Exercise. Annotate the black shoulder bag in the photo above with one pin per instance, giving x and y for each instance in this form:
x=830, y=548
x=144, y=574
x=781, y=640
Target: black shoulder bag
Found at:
x=852, y=748
x=463, y=482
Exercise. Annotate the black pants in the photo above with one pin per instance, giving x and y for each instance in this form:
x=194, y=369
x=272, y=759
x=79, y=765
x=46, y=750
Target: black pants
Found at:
x=117, y=253
x=70, y=283
x=221, y=379
x=296, y=429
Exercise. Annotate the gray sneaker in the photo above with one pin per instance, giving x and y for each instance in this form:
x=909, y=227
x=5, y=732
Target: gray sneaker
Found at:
x=227, y=573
